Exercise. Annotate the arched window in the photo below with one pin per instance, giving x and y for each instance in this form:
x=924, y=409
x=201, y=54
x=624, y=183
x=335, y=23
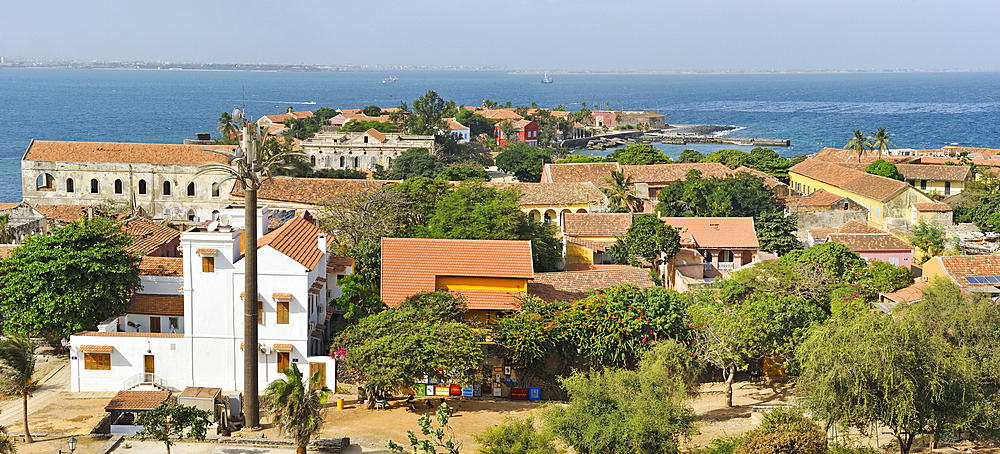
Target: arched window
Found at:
x=94, y=189
x=374, y=161
x=215, y=189
x=118, y=186
x=388, y=162
x=190, y=190
x=357, y=162
x=215, y=215
x=166, y=188
x=45, y=182
x=191, y=216
x=142, y=187
x=342, y=160
x=69, y=185
x=312, y=159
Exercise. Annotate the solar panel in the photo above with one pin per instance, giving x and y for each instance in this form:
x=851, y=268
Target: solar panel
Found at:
x=973, y=279
x=983, y=279
x=993, y=279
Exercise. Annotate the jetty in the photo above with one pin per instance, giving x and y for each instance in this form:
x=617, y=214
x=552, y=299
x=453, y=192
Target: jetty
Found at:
x=673, y=135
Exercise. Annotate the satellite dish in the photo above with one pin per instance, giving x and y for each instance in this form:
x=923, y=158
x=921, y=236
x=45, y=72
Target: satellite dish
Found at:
x=237, y=116
x=226, y=219
x=213, y=225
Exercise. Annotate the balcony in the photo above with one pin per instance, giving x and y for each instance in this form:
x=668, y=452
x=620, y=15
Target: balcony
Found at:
x=726, y=266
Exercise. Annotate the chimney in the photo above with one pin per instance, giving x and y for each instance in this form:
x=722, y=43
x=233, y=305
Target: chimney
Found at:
x=321, y=241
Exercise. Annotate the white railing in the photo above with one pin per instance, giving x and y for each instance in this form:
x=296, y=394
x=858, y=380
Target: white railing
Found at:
x=145, y=379
x=726, y=266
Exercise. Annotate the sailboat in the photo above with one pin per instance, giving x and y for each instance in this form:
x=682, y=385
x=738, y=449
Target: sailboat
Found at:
x=545, y=78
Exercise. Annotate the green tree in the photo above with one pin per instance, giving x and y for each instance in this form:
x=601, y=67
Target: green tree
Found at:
x=884, y=168
x=524, y=161
x=516, y=436
x=7, y=233
x=363, y=215
x=342, y=174
x=638, y=154
x=226, y=127
x=575, y=158
x=477, y=123
x=785, y=431
x=168, y=423
x=429, y=112
x=372, y=111
x=776, y=232
x=360, y=296
x=17, y=373
x=650, y=239
x=414, y=162
x=986, y=213
x=690, y=156
x=835, y=258
x=742, y=195
x=438, y=435
x=880, y=141
x=70, y=280
x=295, y=407
x=622, y=411
x=620, y=192
x=858, y=144
x=928, y=238
x=423, y=195
x=391, y=347
x=364, y=125
x=873, y=370
x=464, y=172
x=324, y=114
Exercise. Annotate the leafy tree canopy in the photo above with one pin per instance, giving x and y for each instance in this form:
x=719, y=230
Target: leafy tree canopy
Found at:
x=429, y=112
x=372, y=111
x=776, y=232
x=742, y=194
x=464, y=172
x=351, y=174
x=647, y=238
x=423, y=194
x=70, y=280
x=364, y=125
x=414, y=162
x=928, y=238
x=690, y=156
x=477, y=123
x=638, y=154
x=574, y=158
x=168, y=423
x=524, y=161
x=884, y=168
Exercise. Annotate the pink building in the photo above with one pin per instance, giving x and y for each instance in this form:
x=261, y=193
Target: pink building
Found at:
x=605, y=118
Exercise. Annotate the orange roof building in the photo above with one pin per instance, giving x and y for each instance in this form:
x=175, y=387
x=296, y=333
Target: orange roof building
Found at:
x=490, y=274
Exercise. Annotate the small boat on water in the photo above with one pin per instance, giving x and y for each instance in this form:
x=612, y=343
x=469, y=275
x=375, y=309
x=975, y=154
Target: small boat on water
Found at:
x=545, y=79
x=389, y=80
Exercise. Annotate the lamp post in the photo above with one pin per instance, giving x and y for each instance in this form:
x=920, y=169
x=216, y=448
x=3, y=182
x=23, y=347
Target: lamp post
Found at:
x=72, y=446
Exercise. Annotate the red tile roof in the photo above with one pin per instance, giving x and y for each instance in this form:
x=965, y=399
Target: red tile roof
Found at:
x=126, y=153
x=858, y=236
x=283, y=347
x=280, y=296
x=297, y=240
x=340, y=261
x=959, y=267
x=452, y=124
x=280, y=118
x=96, y=348
x=556, y=193
x=580, y=172
x=932, y=207
x=137, y=400
x=67, y=213
x=596, y=224
x=669, y=173
x=576, y=285
x=856, y=226
x=908, y=294
x=856, y=181
x=127, y=334
x=376, y=134
x=842, y=156
x=168, y=305
x=934, y=172
x=819, y=199
x=206, y=251
x=718, y=232
x=5, y=250
x=161, y=266
x=149, y=236
x=308, y=191
x=411, y=265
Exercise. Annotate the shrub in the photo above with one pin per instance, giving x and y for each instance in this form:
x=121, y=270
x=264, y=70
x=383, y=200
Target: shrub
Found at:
x=516, y=436
x=848, y=301
x=724, y=445
x=784, y=432
x=841, y=449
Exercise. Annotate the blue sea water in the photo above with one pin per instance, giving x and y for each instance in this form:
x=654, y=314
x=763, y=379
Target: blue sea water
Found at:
x=924, y=110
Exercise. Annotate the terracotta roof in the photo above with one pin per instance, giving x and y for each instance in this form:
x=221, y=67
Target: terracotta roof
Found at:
x=717, y=232
x=556, y=193
x=8, y=205
x=932, y=207
x=283, y=347
x=280, y=118
x=521, y=124
x=818, y=199
x=206, y=251
x=308, y=190
x=169, y=305
x=959, y=267
x=934, y=172
x=842, y=156
x=127, y=153
x=499, y=114
x=137, y=400
x=280, y=296
x=161, y=266
x=856, y=181
x=575, y=285
x=376, y=134
x=149, y=236
x=411, y=265
x=297, y=240
x=126, y=334
x=821, y=234
x=452, y=124
x=669, y=173
x=596, y=224
x=580, y=172
x=96, y=348
x=66, y=213
x=909, y=294
x=858, y=236
x=5, y=250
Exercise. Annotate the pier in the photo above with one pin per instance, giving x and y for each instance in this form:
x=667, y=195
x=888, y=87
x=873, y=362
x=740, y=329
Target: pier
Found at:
x=674, y=136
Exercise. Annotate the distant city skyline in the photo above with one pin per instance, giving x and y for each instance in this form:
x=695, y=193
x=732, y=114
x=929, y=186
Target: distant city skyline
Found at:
x=554, y=35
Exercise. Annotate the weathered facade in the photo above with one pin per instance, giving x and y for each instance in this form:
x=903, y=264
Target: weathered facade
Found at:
x=159, y=178
x=360, y=150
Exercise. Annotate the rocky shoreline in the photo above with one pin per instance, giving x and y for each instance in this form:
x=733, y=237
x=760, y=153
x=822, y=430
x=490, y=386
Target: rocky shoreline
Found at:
x=672, y=135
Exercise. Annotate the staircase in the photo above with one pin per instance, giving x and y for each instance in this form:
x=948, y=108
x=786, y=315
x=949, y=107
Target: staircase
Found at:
x=146, y=379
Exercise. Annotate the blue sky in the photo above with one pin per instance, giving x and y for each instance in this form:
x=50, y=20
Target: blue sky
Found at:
x=553, y=35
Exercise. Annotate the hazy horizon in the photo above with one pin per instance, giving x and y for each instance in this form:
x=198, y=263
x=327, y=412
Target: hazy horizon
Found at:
x=554, y=35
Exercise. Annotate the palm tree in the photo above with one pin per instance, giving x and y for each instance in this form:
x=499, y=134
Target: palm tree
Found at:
x=226, y=127
x=880, y=140
x=620, y=192
x=858, y=144
x=252, y=167
x=17, y=370
x=295, y=407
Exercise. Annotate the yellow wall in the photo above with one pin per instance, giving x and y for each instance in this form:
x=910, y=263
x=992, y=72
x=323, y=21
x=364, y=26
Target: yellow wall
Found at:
x=806, y=185
x=932, y=268
x=578, y=255
x=480, y=283
x=937, y=186
x=539, y=210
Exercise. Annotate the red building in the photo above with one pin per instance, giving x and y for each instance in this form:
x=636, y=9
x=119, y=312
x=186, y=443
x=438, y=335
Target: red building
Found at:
x=524, y=130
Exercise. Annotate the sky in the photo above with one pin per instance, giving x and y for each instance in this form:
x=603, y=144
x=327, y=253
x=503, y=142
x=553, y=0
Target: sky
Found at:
x=553, y=35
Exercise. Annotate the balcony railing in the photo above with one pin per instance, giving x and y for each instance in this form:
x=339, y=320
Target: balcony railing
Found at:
x=145, y=379
x=726, y=266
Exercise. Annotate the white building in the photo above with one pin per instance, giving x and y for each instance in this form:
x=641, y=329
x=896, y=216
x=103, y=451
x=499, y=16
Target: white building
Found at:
x=457, y=131
x=186, y=327
x=360, y=150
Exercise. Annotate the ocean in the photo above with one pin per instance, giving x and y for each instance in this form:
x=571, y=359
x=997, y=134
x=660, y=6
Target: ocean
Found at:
x=923, y=110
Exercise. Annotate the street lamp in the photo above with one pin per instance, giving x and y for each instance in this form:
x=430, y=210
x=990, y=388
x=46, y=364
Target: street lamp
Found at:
x=72, y=445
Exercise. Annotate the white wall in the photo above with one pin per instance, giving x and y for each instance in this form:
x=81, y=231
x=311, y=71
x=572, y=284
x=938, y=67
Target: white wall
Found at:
x=127, y=360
